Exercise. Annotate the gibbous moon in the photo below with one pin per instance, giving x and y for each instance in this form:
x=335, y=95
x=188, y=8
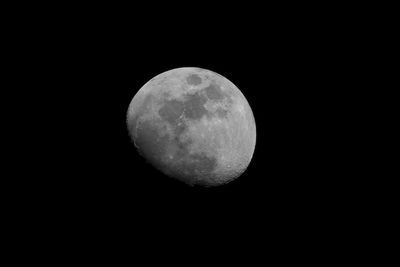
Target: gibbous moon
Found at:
x=193, y=125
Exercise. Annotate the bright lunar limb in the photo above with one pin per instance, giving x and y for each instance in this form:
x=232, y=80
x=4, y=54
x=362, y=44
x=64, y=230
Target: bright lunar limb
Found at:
x=194, y=125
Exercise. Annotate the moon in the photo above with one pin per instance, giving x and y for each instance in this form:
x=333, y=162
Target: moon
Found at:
x=193, y=125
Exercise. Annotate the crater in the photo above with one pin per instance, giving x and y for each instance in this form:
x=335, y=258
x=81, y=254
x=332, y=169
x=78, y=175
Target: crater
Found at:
x=193, y=79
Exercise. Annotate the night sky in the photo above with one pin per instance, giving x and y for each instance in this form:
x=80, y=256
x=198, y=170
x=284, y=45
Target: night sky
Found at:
x=289, y=86
x=293, y=75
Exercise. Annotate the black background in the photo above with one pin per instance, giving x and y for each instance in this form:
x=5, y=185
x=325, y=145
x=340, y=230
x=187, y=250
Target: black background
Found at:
x=290, y=81
x=293, y=69
x=289, y=77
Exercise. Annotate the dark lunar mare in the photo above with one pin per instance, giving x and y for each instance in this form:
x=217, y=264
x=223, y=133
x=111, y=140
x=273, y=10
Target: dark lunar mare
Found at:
x=193, y=79
x=192, y=107
x=151, y=143
x=200, y=164
x=214, y=92
x=171, y=112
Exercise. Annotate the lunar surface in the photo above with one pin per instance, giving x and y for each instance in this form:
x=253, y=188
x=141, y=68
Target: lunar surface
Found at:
x=193, y=125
